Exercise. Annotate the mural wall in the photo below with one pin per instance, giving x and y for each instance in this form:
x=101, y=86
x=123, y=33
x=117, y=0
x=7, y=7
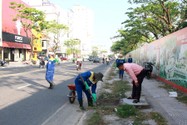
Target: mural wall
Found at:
x=169, y=55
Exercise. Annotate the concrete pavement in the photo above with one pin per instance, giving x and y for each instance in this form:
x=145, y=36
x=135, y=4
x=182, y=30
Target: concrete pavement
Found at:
x=174, y=111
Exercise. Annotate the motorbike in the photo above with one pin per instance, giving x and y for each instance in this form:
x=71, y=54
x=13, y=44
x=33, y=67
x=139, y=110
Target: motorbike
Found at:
x=42, y=63
x=2, y=63
x=149, y=67
x=79, y=64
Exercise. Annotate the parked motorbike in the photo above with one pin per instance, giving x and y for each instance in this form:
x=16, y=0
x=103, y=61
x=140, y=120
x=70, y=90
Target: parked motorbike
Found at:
x=149, y=67
x=2, y=63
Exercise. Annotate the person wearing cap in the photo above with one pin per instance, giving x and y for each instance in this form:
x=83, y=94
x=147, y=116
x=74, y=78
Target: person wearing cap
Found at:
x=137, y=74
x=50, y=67
x=83, y=82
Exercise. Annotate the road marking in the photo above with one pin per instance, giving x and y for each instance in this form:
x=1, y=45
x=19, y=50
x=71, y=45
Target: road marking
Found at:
x=21, y=87
x=47, y=120
x=17, y=74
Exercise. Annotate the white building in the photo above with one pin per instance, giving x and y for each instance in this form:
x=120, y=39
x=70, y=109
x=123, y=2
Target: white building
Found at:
x=81, y=27
x=79, y=20
x=53, y=13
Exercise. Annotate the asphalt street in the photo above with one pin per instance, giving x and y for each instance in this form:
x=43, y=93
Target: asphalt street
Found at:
x=25, y=99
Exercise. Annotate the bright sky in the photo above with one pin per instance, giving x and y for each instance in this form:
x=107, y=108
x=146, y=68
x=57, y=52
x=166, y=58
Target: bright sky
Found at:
x=108, y=15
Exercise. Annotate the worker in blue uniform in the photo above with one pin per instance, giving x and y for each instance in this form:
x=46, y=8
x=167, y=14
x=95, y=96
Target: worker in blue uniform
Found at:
x=50, y=68
x=119, y=61
x=83, y=82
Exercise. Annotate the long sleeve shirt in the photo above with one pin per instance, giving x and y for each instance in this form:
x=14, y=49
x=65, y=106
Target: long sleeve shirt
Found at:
x=132, y=70
x=87, y=76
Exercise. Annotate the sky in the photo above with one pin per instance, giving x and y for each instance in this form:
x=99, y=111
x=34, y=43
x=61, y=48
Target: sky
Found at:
x=108, y=16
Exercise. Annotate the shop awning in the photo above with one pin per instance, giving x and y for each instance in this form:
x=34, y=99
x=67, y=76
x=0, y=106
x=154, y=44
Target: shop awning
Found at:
x=16, y=45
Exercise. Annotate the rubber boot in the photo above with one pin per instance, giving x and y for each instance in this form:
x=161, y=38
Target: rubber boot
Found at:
x=51, y=85
x=90, y=102
x=81, y=104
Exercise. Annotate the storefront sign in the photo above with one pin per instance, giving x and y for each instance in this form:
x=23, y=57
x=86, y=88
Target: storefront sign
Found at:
x=8, y=37
x=19, y=39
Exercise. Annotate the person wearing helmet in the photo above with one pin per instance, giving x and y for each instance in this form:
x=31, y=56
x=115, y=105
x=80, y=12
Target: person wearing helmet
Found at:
x=83, y=82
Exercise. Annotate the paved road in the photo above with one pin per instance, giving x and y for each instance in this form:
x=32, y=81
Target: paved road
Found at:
x=25, y=99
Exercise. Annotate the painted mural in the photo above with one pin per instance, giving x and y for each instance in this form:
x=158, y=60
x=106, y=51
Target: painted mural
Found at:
x=169, y=54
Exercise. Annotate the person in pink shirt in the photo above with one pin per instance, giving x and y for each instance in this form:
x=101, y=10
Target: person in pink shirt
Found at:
x=137, y=74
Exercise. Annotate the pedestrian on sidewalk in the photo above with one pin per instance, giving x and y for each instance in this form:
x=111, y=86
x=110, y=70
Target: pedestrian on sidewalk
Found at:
x=50, y=68
x=129, y=60
x=137, y=74
x=83, y=82
x=119, y=60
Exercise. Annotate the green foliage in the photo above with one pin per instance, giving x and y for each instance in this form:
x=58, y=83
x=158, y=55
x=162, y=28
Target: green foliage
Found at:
x=95, y=119
x=125, y=111
x=95, y=50
x=29, y=17
x=158, y=118
x=72, y=46
x=53, y=27
x=119, y=88
x=149, y=21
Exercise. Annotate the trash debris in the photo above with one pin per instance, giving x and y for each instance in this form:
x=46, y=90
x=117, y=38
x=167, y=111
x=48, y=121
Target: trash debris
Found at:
x=172, y=94
x=115, y=109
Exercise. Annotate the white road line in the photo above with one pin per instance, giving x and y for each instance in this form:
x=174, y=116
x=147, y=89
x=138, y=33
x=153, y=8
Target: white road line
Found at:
x=17, y=74
x=21, y=87
x=47, y=120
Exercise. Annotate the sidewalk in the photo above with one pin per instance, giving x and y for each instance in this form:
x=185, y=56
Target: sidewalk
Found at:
x=17, y=64
x=174, y=111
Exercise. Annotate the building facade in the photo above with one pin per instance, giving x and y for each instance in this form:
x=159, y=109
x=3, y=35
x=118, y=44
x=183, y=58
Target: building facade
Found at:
x=53, y=13
x=81, y=27
x=15, y=45
x=0, y=28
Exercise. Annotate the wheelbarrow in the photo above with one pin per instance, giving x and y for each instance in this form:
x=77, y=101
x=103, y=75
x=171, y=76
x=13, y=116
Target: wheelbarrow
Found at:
x=72, y=93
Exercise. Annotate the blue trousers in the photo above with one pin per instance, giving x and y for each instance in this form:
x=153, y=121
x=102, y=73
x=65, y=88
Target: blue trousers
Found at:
x=49, y=76
x=80, y=87
x=121, y=72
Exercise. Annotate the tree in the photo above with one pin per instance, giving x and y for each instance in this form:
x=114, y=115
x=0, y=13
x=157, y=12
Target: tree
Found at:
x=55, y=29
x=95, y=50
x=72, y=46
x=150, y=21
x=30, y=18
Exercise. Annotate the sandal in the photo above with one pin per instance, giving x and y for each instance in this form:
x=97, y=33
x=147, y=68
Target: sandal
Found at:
x=130, y=97
x=136, y=101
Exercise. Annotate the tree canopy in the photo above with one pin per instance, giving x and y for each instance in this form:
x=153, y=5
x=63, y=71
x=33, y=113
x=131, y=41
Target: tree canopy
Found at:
x=72, y=46
x=151, y=20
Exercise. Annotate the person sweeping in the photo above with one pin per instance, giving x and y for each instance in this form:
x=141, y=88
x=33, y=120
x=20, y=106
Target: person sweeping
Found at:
x=83, y=82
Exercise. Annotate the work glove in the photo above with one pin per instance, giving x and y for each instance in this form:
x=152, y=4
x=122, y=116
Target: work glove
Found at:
x=86, y=85
x=94, y=97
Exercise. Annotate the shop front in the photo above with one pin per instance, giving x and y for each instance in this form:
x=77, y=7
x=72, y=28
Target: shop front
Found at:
x=15, y=47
